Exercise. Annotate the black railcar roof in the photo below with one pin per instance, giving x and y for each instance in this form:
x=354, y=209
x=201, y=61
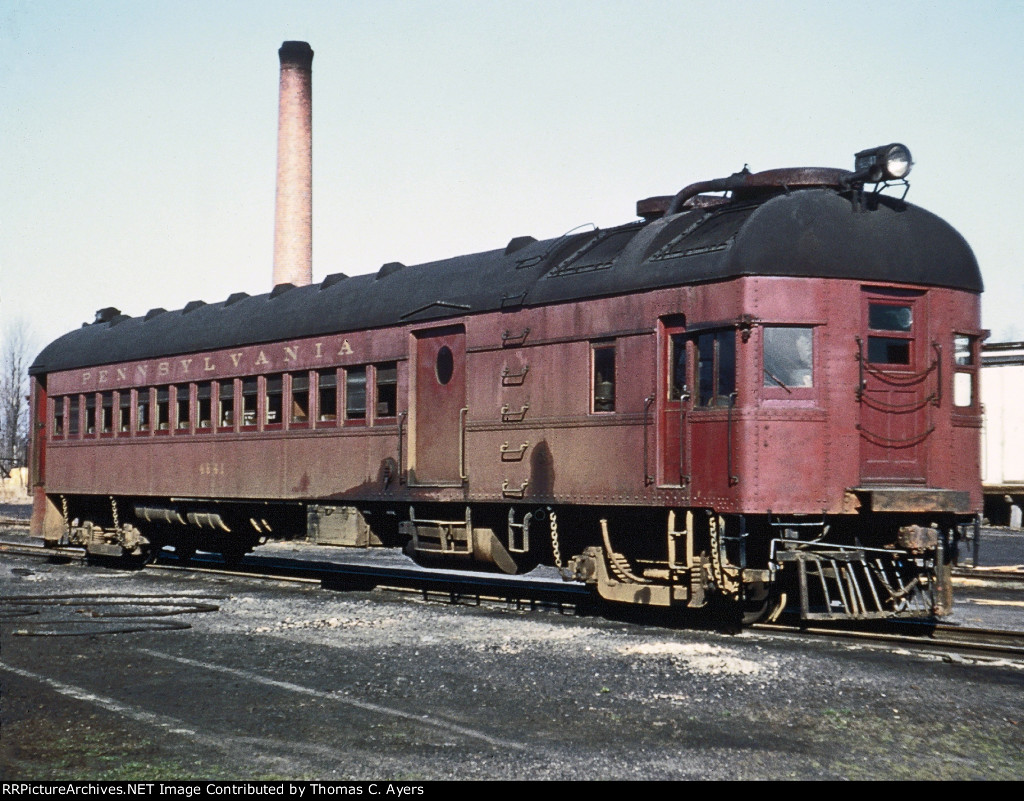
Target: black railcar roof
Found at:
x=815, y=232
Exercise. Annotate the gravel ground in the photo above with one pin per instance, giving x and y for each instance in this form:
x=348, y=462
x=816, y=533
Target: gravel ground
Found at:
x=291, y=681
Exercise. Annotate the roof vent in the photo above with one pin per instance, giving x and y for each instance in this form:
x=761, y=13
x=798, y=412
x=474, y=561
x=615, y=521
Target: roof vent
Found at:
x=387, y=269
x=651, y=208
x=518, y=243
x=192, y=305
x=154, y=313
x=106, y=315
x=332, y=279
x=234, y=297
x=280, y=289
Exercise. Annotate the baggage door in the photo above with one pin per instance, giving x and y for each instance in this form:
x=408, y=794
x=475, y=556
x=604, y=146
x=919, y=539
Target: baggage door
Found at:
x=439, y=400
x=898, y=386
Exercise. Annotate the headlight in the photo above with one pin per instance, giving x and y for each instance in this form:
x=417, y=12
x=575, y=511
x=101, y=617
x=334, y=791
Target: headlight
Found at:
x=885, y=163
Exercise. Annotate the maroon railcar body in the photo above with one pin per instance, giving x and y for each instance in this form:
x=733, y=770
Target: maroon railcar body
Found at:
x=772, y=392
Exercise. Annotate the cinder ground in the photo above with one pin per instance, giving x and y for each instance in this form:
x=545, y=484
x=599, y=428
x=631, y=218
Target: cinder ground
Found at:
x=296, y=682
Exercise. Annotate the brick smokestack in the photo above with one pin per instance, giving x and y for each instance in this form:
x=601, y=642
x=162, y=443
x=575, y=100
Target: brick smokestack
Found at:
x=293, y=218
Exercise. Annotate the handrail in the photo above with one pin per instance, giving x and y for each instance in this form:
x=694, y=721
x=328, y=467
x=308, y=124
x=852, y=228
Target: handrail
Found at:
x=900, y=378
x=509, y=340
x=508, y=492
x=733, y=479
x=509, y=454
x=897, y=408
x=894, y=441
x=861, y=383
x=462, y=442
x=401, y=453
x=648, y=478
x=510, y=379
x=684, y=396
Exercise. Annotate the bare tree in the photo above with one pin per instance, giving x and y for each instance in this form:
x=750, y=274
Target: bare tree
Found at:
x=15, y=358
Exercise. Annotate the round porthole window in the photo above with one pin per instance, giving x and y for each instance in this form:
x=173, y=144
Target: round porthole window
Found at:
x=445, y=365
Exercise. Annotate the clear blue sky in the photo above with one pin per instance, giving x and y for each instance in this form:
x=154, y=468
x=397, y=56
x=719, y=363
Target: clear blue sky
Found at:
x=139, y=138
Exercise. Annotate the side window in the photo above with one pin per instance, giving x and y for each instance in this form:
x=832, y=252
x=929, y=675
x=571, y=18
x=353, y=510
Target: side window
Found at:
x=603, y=371
x=163, y=409
x=250, y=399
x=107, y=413
x=90, y=414
x=327, y=396
x=124, y=417
x=300, y=399
x=965, y=370
x=226, y=404
x=58, y=417
x=204, y=408
x=142, y=406
x=73, y=416
x=273, y=400
x=355, y=393
x=788, y=357
x=386, y=389
x=716, y=369
x=182, y=408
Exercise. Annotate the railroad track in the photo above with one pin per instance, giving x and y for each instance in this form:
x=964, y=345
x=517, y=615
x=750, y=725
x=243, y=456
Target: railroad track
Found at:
x=477, y=588
x=936, y=637
x=454, y=585
x=1010, y=574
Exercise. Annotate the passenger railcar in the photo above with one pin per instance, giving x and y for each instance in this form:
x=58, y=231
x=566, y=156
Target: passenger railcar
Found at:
x=1002, y=390
x=765, y=387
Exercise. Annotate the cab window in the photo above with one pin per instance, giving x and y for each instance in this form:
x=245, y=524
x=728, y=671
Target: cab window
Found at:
x=788, y=357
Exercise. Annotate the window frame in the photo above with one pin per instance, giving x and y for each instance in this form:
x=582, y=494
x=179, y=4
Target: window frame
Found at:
x=196, y=391
x=74, y=416
x=971, y=369
x=105, y=431
x=267, y=396
x=142, y=399
x=249, y=387
x=330, y=419
x=383, y=389
x=91, y=406
x=157, y=422
x=716, y=400
x=182, y=394
x=289, y=401
x=232, y=395
x=881, y=335
x=597, y=348
x=58, y=431
x=774, y=394
x=124, y=413
x=348, y=418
